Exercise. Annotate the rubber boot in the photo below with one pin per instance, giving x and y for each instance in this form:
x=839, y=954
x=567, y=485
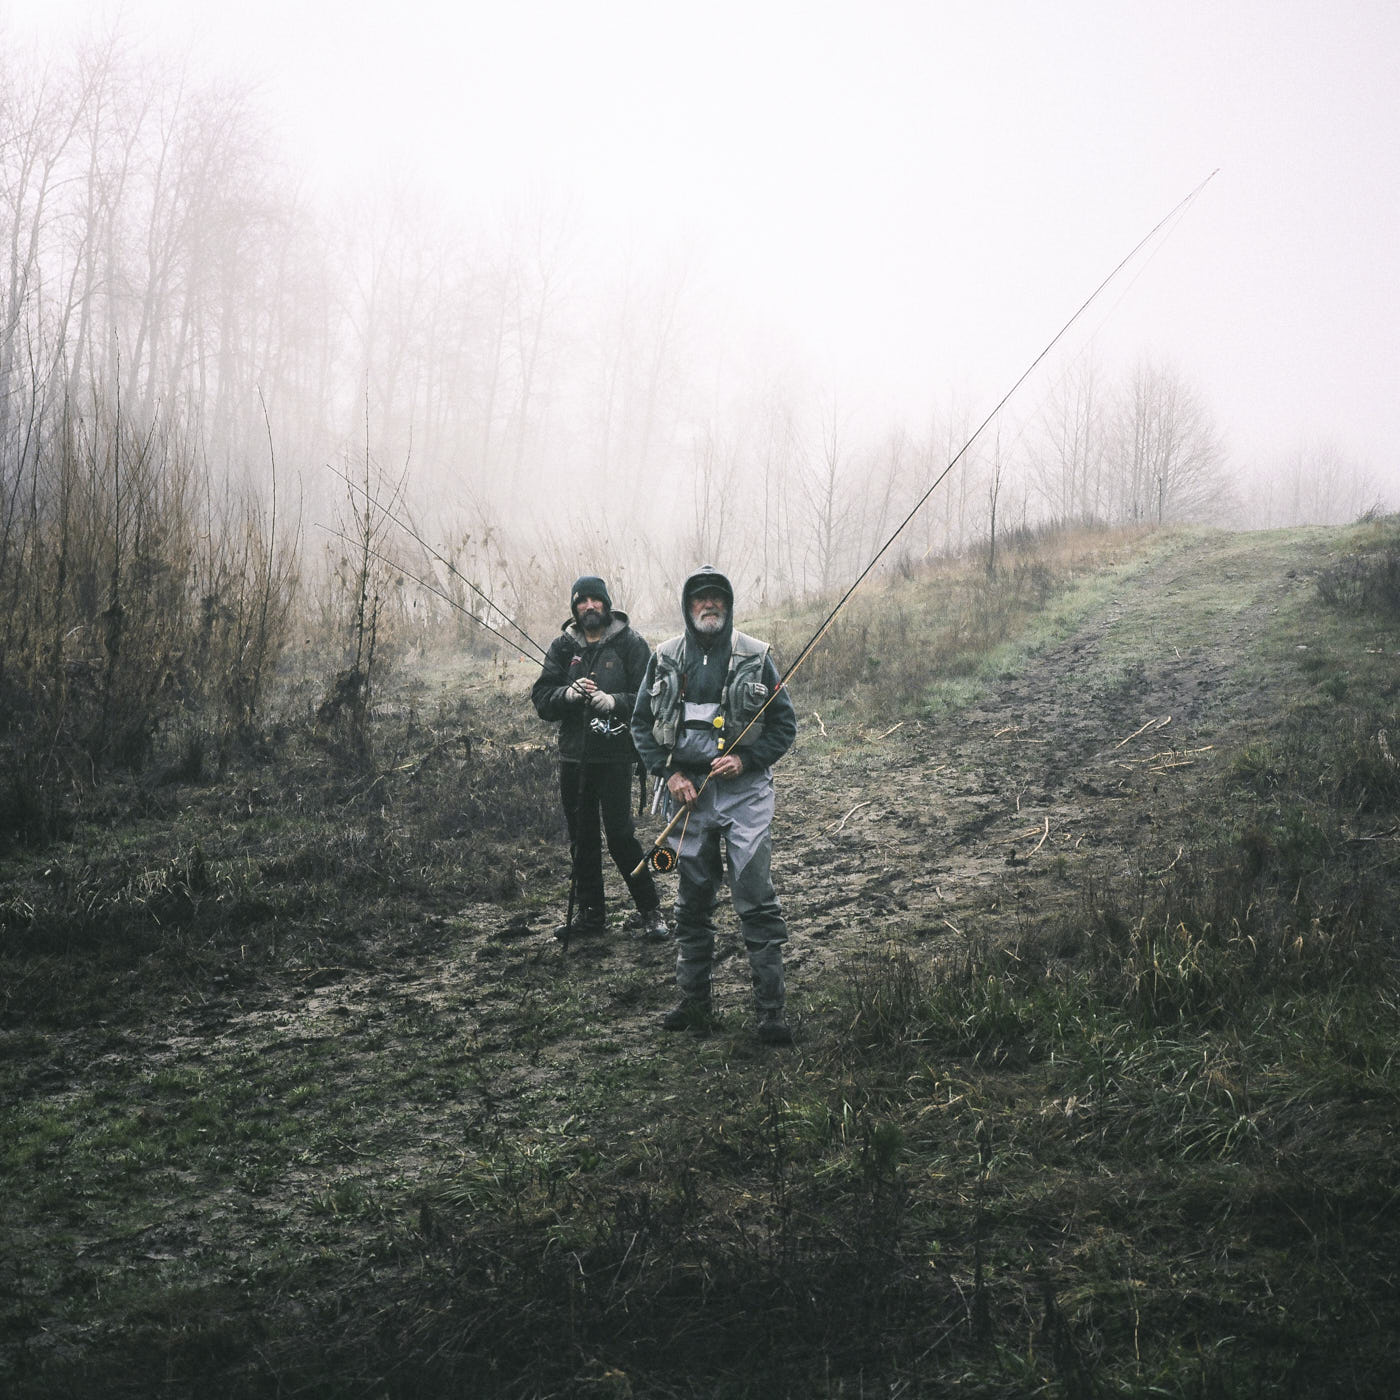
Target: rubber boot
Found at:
x=688, y=1014
x=587, y=921
x=769, y=992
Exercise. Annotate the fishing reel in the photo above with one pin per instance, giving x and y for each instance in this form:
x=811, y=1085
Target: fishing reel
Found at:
x=608, y=728
x=662, y=860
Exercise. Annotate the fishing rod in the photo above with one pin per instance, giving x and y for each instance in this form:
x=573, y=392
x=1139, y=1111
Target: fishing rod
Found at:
x=436, y=590
x=1177, y=212
x=445, y=596
x=446, y=563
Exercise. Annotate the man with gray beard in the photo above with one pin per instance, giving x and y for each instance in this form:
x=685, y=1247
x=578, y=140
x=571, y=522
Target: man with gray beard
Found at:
x=710, y=720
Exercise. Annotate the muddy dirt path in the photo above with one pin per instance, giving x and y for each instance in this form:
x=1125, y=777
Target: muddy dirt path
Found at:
x=1090, y=757
x=1087, y=758
x=1091, y=754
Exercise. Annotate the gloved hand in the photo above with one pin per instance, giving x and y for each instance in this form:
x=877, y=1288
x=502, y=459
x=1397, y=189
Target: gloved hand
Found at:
x=602, y=702
x=574, y=695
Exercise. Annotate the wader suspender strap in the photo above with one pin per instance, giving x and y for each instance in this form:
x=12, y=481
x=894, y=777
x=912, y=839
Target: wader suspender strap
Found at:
x=680, y=708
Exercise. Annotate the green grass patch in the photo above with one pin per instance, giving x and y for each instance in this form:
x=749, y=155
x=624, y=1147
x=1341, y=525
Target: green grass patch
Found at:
x=930, y=642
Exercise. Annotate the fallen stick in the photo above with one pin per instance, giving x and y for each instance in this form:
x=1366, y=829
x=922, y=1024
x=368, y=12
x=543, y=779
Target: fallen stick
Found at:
x=1157, y=874
x=1376, y=835
x=850, y=814
x=1043, y=835
x=1166, y=755
x=1151, y=724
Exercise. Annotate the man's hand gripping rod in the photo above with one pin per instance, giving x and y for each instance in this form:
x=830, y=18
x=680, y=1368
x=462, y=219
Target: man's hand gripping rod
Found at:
x=685, y=808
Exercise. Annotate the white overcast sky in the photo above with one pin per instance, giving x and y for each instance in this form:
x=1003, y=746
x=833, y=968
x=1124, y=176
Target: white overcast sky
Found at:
x=918, y=194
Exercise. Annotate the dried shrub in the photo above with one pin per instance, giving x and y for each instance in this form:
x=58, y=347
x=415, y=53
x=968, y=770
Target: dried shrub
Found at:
x=1368, y=583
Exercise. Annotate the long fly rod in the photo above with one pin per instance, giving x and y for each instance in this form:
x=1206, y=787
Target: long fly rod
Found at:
x=1174, y=214
x=434, y=589
x=447, y=564
x=1177, y=211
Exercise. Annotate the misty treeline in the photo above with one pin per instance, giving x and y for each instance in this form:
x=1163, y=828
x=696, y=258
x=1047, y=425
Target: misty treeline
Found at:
x=195, y=354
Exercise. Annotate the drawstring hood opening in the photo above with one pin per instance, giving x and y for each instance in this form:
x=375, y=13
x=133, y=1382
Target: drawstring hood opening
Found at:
x=708, y=577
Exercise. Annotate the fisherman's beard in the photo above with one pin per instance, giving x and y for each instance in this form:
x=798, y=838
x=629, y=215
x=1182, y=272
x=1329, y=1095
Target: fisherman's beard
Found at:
x=709, y=624
x=591, y=619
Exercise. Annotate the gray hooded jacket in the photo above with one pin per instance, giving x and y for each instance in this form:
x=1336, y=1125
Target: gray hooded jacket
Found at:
x=692, y=678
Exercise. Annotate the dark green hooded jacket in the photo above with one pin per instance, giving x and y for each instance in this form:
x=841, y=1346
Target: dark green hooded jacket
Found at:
x=617, y=662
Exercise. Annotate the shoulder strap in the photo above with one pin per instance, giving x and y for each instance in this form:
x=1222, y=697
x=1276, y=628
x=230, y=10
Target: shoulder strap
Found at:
x=741, y=646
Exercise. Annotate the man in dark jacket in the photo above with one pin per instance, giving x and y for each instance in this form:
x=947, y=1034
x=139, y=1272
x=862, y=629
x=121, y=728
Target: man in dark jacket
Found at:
x=588, y=684
x=710, y=720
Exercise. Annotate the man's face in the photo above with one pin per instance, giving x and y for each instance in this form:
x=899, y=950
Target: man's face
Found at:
x=708, y=608
x=589, y=612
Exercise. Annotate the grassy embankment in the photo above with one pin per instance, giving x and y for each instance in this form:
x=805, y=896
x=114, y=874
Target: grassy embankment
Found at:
x=1147, y=1150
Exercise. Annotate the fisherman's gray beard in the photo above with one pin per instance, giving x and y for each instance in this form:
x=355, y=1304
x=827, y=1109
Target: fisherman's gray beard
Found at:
x=709, y=625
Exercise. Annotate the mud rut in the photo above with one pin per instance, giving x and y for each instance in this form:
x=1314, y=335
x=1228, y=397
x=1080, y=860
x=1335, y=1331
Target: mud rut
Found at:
x=980, y=824
x=1088, y=759
x=971, y=825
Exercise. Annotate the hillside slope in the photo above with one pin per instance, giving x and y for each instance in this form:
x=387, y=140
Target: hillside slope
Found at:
x=1094, y=752
x=1094, y=1088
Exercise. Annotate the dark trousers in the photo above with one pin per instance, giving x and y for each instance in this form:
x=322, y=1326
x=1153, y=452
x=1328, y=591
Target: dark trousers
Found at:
x=597, y=798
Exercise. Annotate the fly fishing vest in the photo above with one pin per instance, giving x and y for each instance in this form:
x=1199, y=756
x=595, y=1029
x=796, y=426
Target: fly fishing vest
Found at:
x=745, y=694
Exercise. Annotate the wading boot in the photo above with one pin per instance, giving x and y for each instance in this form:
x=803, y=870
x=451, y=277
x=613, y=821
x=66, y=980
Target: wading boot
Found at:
x=653, y=924
x=586, y=922
x=773, y=1029
x=688, y=1014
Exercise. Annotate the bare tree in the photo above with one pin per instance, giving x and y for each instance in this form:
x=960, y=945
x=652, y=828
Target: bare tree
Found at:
x=1168, y=457
x=40, y=119
x=993, y=497
x=823, y=491
x=875, y=508
x=1315, y=483
x=713, y=494
x=1068, y=474
x=779, y=452
x=630, y=398
x=947, y=525
x=538, y=287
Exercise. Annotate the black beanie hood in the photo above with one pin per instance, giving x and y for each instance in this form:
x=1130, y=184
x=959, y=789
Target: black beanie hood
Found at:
x=590, y=586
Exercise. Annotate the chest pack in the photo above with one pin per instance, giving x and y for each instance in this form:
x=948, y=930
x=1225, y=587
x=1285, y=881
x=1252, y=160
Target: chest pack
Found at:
x=744, y=695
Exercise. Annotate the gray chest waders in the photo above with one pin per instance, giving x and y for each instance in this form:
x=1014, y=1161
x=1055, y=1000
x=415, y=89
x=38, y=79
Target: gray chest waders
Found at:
x=743, y=699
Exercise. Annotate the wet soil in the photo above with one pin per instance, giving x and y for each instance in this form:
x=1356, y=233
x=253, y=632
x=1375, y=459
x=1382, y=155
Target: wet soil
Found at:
x=1091, y=760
